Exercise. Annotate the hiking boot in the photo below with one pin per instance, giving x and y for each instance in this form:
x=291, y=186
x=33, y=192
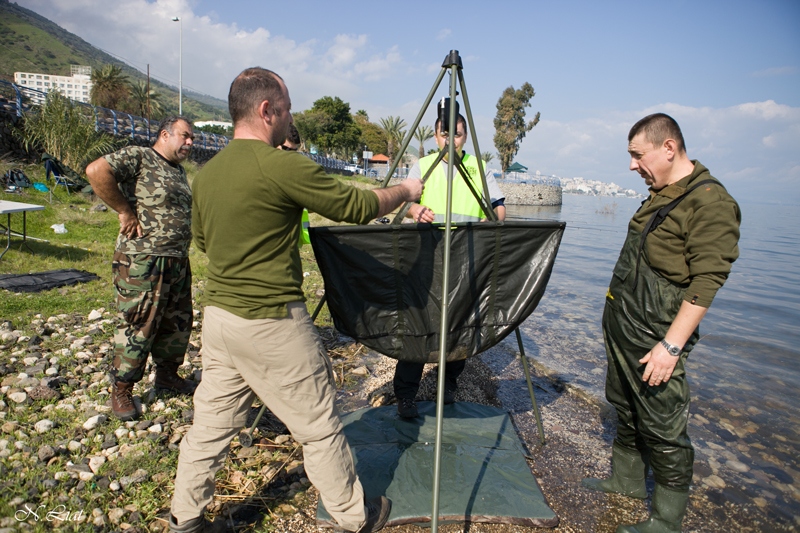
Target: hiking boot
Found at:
x=378, y=510
x=628, y=473
x=168, y=380
x=407, y=408
x=122, y=401
x=197, y=525
x=449, y=396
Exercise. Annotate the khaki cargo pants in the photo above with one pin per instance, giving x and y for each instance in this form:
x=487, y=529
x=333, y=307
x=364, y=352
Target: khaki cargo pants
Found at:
x=283, y=362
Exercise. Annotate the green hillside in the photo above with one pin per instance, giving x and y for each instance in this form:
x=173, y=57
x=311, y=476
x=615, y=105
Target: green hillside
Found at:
x=32, y=43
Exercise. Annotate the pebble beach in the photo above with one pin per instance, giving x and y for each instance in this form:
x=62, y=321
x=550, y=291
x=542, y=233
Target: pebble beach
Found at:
x=56, y=427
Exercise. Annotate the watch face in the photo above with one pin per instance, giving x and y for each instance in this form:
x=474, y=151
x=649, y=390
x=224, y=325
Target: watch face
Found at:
x=672, y=350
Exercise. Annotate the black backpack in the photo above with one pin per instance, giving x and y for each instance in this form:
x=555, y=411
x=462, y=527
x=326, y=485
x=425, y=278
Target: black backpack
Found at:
x=15, y=178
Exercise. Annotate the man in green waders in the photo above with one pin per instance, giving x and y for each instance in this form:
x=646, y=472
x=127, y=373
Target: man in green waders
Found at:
x=678, y=253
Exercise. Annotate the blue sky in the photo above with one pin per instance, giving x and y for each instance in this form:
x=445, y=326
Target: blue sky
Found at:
x=728, y=71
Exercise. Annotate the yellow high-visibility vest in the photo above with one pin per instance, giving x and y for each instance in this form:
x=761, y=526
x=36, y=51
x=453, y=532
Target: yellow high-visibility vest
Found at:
x=305, y=238
x=465, y=206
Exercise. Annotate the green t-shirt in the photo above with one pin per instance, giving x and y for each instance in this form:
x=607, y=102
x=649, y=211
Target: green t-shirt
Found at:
x=159, y=194
x=247, y=207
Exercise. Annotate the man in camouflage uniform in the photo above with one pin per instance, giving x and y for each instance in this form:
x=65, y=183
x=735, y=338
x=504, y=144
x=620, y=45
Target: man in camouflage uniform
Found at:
x=148, y=188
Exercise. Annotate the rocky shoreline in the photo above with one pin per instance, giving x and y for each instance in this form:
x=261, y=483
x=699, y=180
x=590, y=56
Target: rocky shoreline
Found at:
x=60, y=445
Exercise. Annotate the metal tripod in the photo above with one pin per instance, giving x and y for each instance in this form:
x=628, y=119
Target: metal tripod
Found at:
x=452, y=65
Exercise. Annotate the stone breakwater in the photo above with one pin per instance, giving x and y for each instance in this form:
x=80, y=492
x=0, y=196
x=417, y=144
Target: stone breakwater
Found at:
x=524, y=193
x=531, y=193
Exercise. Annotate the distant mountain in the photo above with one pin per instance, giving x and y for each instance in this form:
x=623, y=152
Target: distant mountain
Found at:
x=31, y=43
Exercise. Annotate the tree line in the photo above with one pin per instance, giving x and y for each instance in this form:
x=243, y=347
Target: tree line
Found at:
x=329, y=125
x=333, y=130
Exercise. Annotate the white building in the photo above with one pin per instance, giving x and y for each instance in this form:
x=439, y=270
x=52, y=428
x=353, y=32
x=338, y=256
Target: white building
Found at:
x=214, y=123
x=77, y=87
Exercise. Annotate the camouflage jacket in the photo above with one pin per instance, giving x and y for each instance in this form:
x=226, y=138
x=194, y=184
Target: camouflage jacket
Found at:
x=161, y=198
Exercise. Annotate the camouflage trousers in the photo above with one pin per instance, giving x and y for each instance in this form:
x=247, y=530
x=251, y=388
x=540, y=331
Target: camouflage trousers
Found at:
x=154, y=298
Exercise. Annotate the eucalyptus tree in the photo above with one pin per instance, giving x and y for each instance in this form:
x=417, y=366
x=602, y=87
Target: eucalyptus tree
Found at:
x=330, y=126
x=509, y=123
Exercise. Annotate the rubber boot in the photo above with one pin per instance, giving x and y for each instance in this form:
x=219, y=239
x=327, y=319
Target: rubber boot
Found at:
x=168, y=380
x=122, y=401
x=666, y=516
x=628, y=473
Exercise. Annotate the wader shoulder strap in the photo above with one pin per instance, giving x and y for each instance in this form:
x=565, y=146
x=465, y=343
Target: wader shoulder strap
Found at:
x=659, y=217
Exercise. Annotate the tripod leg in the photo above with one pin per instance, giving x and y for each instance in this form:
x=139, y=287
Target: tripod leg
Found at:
x=404, y=210
x=482, y=172
x=246, y=439
x=315, y=314
x=527, y=371
x=410, y=135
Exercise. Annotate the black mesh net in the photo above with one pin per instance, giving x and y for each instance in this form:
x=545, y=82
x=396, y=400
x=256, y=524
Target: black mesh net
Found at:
x=383, y=284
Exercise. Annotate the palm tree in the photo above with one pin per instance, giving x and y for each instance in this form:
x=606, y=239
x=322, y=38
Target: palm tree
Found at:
x=109, y=87
x=361, y=116
x=394, y=128
x=139, y=100
x=422, y=134
x=487, y=156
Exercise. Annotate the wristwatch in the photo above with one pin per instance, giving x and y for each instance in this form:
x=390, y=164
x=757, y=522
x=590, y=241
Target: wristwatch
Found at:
x=672, y=350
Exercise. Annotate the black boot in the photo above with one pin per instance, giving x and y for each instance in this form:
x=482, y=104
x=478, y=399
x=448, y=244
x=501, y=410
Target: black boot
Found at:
x=168, y=380
x=407, y=408
x=197, y=525
x=378, y=510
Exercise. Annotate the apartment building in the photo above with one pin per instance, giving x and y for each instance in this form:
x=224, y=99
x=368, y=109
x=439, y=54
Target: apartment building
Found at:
x=77, y=86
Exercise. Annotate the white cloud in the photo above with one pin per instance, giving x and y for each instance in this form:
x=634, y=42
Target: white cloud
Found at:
x=379, y=66
x=750, y=146
x=345, y=49
x=141, y=32
x=443, y=34
x=775, y=71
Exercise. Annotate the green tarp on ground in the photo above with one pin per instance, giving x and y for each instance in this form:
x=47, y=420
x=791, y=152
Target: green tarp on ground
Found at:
x=484, y=477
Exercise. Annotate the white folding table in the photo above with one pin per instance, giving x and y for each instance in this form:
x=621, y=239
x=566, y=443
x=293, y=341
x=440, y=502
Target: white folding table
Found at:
x=6, y=208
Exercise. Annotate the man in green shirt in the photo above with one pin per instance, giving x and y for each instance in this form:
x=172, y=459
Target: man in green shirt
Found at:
x=258, y=339
x=680, y=247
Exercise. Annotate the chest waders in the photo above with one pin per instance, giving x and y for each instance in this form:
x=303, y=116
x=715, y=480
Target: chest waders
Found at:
x=640, y=307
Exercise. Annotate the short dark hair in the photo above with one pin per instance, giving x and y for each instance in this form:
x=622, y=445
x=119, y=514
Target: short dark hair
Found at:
x=167, y=123
x=459, y=120
x=293, y=136
x=657, y=128
x=250, y=88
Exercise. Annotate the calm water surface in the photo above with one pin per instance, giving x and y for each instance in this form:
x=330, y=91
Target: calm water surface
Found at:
x=745, y=371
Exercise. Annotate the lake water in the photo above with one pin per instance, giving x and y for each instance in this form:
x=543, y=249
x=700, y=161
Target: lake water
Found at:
x=745, y=371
